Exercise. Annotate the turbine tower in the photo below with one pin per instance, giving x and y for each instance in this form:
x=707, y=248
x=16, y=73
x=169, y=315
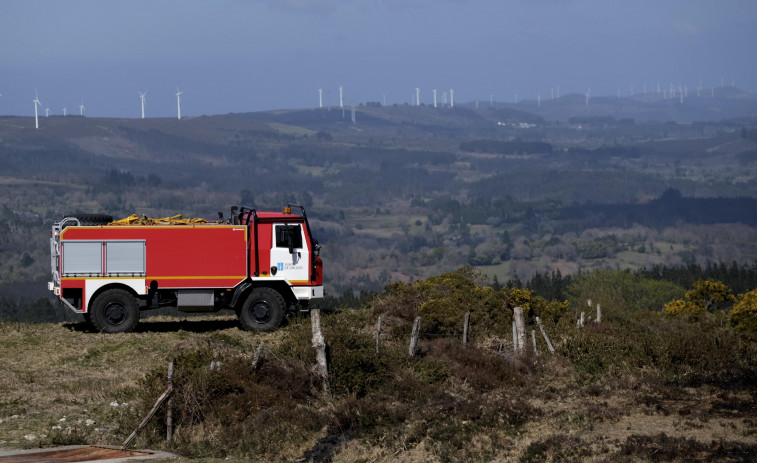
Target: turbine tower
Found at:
x=178, y=102
x=588, y=96
x=341, y=97
x=417, y=96
x=47, y=112
x=452, y=98
x=36, y=104
x=434, y=91
x=81, y=108
x=320, y=98
x=142, y=96
x=65, y=111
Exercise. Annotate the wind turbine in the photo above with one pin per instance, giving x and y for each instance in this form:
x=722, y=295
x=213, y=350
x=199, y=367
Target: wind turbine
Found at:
x=36, y=104
x=452, y=98
x=588, y=96
x=178, y=102
x=81, y=108
x=434, y=91
x=142, y=96
x=341, y=97
x=65, y=111
x=47, y=112
x=320, y=98
x=417, y=96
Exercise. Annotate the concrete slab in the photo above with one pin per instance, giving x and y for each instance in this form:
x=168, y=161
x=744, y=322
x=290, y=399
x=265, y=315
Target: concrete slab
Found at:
x=79, y=453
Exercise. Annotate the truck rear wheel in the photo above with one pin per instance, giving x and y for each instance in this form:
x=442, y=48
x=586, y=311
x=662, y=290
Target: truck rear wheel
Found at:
x=262, y=311
x=114, y=311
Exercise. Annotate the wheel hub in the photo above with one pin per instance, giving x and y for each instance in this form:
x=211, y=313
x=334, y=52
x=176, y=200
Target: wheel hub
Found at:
x=261, y=312
x=115, y=313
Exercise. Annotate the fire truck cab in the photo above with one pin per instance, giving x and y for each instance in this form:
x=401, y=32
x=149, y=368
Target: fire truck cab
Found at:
x=259, y=264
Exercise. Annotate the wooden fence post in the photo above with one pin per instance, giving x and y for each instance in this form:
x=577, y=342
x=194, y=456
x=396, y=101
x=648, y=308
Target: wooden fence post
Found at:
x=414, y=337
x=152, y=412
x=533, y=339
x=378, y=334
x=520, y=325
x=169, y=410
x=543, y=333
x=258, y=356
x=515, y=338
x=319, y=344
x=466, y=323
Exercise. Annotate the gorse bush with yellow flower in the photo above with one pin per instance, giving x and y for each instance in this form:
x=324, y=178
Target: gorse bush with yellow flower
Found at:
x=702, y=298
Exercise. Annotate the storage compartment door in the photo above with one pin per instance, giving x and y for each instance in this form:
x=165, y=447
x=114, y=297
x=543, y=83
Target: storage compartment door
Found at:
x=82, y=258
x=125, y=258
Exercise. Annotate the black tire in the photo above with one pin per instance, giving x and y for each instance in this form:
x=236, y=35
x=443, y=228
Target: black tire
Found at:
x=263, y=310
x=114, y=311
x=92, y=219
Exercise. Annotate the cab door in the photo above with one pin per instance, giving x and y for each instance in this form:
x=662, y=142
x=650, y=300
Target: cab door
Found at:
x=289, y=253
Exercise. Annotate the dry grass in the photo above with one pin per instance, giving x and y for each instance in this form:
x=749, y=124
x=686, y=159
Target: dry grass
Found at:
x=449, y=404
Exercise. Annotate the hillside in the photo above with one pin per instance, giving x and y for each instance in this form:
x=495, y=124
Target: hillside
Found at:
x=639, y=386
x=404, y=192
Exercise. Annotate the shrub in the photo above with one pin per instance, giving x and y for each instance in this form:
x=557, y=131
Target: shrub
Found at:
x=621, y=291
x=744, y=312
x=681, y=308
x=443, y=300
x=550, y=311
x=706, y=293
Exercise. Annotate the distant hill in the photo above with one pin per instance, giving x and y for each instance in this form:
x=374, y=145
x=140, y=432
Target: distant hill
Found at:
x=402, y=192
x=712, y=105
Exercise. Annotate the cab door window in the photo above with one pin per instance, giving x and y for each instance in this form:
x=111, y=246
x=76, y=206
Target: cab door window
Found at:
x=289, y=236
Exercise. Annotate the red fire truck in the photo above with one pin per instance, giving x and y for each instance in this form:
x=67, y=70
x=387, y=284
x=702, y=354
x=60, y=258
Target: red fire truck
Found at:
x=259, y=264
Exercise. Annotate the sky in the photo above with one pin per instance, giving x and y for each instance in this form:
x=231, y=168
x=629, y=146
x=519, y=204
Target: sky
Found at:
x=235, y=56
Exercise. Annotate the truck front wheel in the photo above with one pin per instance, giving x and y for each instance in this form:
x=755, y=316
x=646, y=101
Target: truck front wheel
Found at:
x=114, y=311
x=262, y=311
